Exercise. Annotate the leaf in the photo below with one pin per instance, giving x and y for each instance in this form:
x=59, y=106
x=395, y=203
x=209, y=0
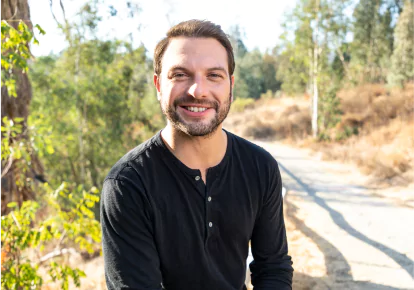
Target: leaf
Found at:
x=18, y=154
x=41, y=31
x=94, y=190
x=49, y=149
x=12, y=204
x=18, y=119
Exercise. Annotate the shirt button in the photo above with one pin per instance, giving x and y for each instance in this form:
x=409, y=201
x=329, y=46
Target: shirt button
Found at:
x=197, y=178
x=210, y=224
x=209, y=198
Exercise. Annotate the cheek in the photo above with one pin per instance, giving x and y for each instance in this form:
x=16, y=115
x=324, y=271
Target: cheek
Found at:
x=224, y=91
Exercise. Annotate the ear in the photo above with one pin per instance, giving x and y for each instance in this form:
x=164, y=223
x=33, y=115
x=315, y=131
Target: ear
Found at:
x=232, y=87
x=157, y=86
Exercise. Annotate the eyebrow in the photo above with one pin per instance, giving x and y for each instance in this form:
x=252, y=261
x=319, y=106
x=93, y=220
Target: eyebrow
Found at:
x=177, y=67
x=216, y=68
x=220, y=68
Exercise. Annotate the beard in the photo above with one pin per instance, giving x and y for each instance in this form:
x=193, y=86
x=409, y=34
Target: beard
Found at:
x=196, y=128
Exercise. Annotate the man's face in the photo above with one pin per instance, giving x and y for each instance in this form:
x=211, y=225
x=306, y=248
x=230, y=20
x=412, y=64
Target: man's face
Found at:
x=195, y=88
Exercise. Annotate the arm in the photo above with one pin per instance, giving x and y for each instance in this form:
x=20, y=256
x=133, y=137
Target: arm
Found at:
x=130, y=256
x=272, y=266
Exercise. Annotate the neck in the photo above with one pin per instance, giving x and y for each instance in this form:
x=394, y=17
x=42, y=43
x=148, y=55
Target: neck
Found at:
x=196, y=152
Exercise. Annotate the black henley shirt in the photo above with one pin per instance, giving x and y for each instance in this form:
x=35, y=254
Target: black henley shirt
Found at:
x=163, y=228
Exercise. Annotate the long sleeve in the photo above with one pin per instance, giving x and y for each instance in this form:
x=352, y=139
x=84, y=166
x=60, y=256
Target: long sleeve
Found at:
x=130, y=256
x=272, y=266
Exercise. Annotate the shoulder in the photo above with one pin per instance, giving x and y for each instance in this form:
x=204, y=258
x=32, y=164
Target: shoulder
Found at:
x=129, y=165
x=250, y=152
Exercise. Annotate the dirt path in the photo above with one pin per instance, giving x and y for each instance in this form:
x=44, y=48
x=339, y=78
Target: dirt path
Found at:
x=341, y=234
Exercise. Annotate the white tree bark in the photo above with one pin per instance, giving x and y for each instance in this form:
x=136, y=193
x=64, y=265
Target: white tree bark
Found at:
x=315, y=74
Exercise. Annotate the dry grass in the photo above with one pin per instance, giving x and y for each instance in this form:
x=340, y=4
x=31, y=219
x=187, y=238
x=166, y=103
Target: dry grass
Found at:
x=383, y=117
x=272, y=119
x=371, y=106
x=386, y=153
x=385, y=143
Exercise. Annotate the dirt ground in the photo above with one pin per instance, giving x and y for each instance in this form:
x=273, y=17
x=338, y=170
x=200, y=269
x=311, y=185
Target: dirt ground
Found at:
x=343, y=231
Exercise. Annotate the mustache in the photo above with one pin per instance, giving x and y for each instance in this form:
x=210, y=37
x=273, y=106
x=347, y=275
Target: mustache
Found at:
x=192, y=100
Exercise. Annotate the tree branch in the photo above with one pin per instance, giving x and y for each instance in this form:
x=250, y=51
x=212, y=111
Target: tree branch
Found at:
x=53, y=14
x=8, y=166
x=57, y=253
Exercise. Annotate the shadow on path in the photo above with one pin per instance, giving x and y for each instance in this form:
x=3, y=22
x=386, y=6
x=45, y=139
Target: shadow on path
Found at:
x=305, y=282
x=338, y=271
x=331, y=254
x=401, y=259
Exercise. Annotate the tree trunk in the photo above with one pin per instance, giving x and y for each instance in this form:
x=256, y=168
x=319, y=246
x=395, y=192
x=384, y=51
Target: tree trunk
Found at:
x=17, y=107
x=315, y=74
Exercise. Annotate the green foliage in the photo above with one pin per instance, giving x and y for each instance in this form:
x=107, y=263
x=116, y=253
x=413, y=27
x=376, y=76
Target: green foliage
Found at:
x=346, y=133
x=239, y=105
x=69, y=215
x=297, y=43
x=15, y=52
x=59, y=218
x=315, y=32
x=62, y=217
x=373, y=41
x=236, y=39
x=255, y=74
x=11, y=129
x=295, y=71
x=402, y=68
x=329, y=112
x=267, y=96
x=98, y=99
x=20, y=150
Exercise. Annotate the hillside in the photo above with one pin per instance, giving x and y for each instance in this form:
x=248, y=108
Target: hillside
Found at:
x=375, y=129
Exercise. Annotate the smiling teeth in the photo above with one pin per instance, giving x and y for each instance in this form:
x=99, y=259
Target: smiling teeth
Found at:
x=196, y=109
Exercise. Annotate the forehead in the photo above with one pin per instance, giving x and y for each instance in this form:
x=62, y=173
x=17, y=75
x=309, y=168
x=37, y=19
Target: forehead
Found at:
x=194, y=53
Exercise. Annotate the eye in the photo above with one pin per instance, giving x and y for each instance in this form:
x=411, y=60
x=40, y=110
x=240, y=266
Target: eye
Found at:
x=179, y=75
x=214, y=75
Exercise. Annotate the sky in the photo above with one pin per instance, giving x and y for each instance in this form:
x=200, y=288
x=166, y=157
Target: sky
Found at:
x=259, y=20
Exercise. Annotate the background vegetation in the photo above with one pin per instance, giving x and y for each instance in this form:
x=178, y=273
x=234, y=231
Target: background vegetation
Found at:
x=67, y=118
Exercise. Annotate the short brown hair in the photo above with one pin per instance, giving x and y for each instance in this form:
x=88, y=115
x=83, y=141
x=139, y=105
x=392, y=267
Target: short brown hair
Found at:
x=194, y=28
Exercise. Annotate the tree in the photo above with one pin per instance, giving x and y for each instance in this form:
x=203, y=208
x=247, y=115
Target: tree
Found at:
x=319, y=29
x=372, y=45
x=98, y=97
x=402, y=68
x=16, y=94
x=67, y=218
x=270, y=68
x=236, y=39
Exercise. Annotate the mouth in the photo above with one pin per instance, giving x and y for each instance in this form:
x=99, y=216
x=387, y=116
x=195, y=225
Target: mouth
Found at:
x=195, y=111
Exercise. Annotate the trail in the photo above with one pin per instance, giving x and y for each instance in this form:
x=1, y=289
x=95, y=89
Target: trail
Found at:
x=359, y=240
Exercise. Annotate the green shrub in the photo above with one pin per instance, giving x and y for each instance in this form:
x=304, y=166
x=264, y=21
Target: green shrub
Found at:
x=240, y=104
x=38, y=225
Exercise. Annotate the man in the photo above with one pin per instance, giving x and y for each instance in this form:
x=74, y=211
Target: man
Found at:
x=179, y=210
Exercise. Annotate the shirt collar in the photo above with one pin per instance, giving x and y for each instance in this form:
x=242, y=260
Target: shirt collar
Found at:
x=194, y=172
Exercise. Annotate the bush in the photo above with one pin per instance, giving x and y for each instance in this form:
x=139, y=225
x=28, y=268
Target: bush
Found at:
x=28, y=229
x=258, y=130
x=239, y=105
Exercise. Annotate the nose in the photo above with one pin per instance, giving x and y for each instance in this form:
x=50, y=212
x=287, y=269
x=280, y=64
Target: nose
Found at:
x=198, y=89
